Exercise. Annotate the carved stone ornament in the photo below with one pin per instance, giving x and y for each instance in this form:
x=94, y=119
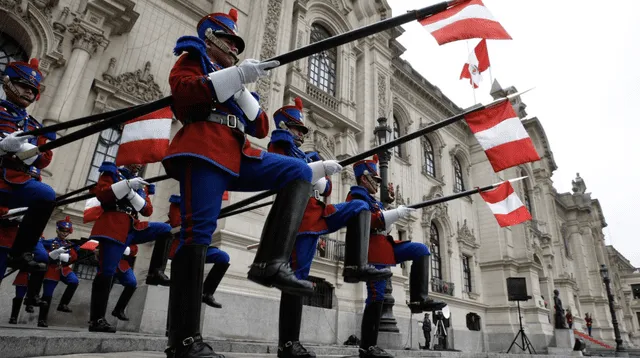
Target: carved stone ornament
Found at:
x=324, y=144
x=347, y=176
x=466, y=236
x=268, y=49
x=382, y=95
x=13, y=6
x=434, y=211
x=139, y=84
x=577, y=185
x=85, y=39
x=45, y=6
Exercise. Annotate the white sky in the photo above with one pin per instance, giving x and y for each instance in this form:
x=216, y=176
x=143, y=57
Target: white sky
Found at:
x=582, y=57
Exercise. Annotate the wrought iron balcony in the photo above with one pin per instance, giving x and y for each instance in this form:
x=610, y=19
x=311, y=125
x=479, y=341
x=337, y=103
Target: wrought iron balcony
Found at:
x=441, y=286
x=330, y=249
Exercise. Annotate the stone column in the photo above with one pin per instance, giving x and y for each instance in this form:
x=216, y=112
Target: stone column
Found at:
x=85, y=43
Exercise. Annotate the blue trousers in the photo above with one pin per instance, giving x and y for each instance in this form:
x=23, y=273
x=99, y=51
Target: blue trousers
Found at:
x=48, y=286
x=21, y=291
x=306, y=243
x=202, y=185
x=406, y=251
x=216, y=256
x=111, y=251
x=127, y=278
x=39, y=255
x=21, y=195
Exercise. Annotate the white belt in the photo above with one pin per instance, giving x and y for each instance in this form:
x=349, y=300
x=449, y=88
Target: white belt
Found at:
x=228, y=120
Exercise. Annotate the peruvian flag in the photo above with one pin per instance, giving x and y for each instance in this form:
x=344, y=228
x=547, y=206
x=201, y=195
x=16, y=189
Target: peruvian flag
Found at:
x=478, y=63
x=90, y=245
x=468, y=20
x=92, y=210
x=502, y=136
x=145, y=139
x=505, y=205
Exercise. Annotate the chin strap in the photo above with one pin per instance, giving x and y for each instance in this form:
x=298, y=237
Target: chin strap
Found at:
x=221, y=45
x=14, y=91
x=299, y=138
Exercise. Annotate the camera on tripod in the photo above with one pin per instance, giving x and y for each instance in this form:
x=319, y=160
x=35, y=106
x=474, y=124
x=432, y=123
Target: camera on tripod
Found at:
x=440, y=336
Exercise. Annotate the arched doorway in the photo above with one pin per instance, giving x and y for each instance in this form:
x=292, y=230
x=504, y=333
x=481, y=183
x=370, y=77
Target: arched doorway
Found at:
x=10, y=50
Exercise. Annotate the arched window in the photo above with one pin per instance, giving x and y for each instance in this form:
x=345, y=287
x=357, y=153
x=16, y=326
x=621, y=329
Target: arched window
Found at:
x=106, y=150
x=322, y=66
x=436, y=262
x=10, y=51
x=527, y=199
x=429, y=158
x=458, y=182
x=397, y=150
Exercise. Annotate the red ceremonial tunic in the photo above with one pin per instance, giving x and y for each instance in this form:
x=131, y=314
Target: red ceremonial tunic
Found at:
x=193, y=101
x=380, y=244
x=8, y=233
x=313, y=220
x=112, y=224
x=54, y=270
x=174, y=221
x=22, y=279
x=124, y=265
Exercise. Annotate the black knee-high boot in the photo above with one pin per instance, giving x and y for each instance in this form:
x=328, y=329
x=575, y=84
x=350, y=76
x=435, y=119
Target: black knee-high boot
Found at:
x=289, y=323
x=369, y=331
x=123, y=301
x=356, y=266
x=185, y=304
x=33, y=290
x=63, y=306
x=33, y=223
x=43, y=314
x=271, y=264
x=99, y=300
x=15, y=310
x=158, y=262
x=419, y=288
x=211, y=284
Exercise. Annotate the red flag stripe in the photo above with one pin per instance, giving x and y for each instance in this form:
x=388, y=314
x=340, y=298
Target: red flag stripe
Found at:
x=157, y=128
x=487, y=118
x=505, y=205
x=511, y=154
x=515, y=217
x=92, y=210
x=497, y=194
x=161, y=113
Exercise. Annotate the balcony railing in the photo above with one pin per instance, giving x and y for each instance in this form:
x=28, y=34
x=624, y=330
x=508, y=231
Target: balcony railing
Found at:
x=330, y=249
x=441, y=286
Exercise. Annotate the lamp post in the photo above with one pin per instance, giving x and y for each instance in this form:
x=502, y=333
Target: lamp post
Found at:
x=604, y=272
x=382, y=133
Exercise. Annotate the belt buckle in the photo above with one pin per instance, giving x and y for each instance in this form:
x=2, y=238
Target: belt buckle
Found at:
x=316, y=194
x=232, y=121
x=188, y=341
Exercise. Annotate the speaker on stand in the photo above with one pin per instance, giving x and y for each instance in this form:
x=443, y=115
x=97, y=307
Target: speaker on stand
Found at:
x=517, y=291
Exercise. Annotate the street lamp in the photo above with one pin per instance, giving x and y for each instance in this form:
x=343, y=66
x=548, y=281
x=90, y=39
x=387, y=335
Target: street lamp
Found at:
x=604, y=272
x=382, y=133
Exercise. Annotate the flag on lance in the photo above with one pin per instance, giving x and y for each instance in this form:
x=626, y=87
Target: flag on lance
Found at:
x=90, y=245
x=92, y=210
x=502, y=136
x=145, y=139
x=505, y=205
x=468, y=20
x=478, y=62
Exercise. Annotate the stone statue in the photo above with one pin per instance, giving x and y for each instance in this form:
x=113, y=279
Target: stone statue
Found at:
x=559, y=311
x=577, y=185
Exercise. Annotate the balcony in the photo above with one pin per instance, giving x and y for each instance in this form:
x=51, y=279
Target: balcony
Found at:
x=330, y=249
x=441, y=286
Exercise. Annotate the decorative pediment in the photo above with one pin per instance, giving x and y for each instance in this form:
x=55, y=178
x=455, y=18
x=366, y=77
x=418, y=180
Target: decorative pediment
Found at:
x=434, y=211
x=324, y=145
x=466, y=237
x=345, y=144
x=139, y=84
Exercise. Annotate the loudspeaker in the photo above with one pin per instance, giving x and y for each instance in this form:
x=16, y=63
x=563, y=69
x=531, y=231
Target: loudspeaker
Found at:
x=517, y=289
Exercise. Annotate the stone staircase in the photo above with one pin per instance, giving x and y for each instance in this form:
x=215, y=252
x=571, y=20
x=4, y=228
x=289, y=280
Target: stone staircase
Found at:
x=591, y=341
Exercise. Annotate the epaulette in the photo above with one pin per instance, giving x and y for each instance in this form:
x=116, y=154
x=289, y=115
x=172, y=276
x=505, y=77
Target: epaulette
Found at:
x=191, y=44
x=151, y=189
x=175, y=199
x=108, y=167
x=282, y=135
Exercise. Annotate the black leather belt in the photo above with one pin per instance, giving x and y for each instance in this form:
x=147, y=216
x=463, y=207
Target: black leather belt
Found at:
x=13, y=164
x=228, y=120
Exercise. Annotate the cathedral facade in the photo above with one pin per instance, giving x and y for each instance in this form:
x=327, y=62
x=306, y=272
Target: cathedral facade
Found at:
x=103, y=55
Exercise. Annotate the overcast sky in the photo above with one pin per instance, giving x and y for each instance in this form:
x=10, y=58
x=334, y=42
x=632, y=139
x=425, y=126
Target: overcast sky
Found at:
x=584, y=62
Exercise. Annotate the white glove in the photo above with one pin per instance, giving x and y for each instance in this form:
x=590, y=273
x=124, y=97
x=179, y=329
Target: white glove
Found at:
x=323, y=168
x=137, y=183
x=54, y=254
x=64, y=257
x=12, y=143
x=229, y=81
x=23, y=148
x=320, y=185
x=136, y=200
x=391, y=216
x=127, y=251
x=404, y=211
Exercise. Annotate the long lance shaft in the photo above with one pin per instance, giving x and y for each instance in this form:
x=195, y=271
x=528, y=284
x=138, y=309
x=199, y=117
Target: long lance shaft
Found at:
x=297, y=54
x=394, y=143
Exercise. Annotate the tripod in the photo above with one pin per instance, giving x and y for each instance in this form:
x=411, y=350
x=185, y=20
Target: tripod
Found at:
x=440, y=336
x=526, y=343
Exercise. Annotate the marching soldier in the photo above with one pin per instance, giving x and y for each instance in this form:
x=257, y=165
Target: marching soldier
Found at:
x=21, y=184
x=24, y=283
x=211, y=154
x=123, y=195
x=384, y=251
x=62, y=253
x=127, y=279
x=319, y=219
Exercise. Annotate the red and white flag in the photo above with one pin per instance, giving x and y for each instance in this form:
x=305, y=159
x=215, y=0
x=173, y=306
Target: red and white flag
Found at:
x=478, y=62
x=90, y=245
x=502, y=136
x=505, y=205
x=145, y=139
x=468, y=20
x=92, y=210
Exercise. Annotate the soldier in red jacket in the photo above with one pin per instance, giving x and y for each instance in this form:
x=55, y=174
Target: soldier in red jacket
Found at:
x=21, y=185
x=383, y=252
x=123, y=196
x=211, y=154
x=127, y=279
x=319, y=219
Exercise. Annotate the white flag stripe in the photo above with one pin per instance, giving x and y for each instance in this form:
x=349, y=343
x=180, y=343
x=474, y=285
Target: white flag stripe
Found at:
x=470, y=12
x=91, y=203
x=509, y=130
x=157, y=128
x=506, y=206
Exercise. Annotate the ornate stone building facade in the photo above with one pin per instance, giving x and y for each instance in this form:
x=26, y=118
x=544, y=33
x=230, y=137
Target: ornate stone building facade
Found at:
x=101, y=55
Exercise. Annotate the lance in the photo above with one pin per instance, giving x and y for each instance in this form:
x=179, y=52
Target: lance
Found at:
x=387, y=146
x=442, y=199
x=283, y=59
x=62, y=265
